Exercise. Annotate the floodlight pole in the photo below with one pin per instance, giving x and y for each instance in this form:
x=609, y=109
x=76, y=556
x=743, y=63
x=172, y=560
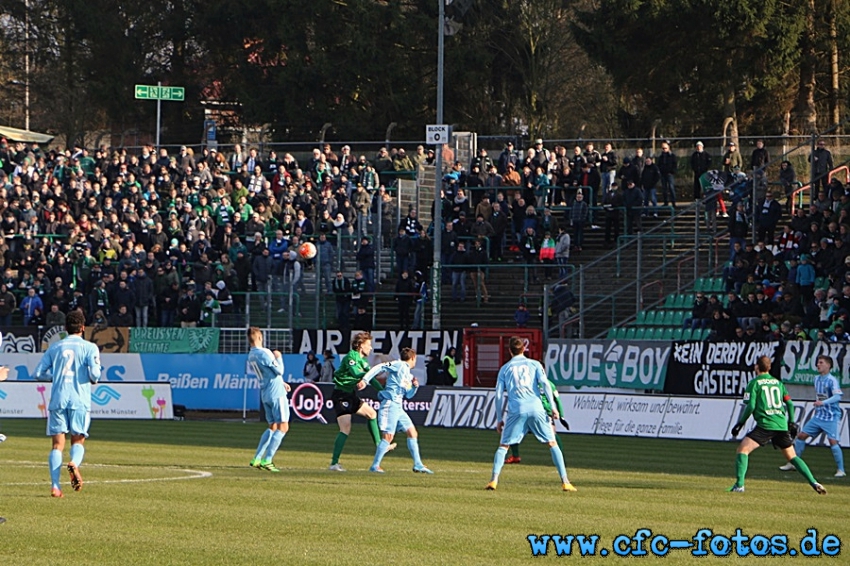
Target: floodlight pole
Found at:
x=436, y=269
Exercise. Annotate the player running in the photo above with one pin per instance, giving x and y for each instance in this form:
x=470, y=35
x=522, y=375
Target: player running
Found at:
x=73, y=364
x=268, y=367
x=827, y=417
x=523, y=379
x=391, y=415
x=769, y=403
x=347, y=381
x=514, y=457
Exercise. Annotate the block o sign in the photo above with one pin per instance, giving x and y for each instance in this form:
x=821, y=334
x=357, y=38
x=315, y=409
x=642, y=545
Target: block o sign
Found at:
x=436, y=134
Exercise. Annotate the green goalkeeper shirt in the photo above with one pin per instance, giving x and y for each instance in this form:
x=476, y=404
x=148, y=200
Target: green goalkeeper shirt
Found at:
x=768, y=402
x=352, y=369
x=546, y=406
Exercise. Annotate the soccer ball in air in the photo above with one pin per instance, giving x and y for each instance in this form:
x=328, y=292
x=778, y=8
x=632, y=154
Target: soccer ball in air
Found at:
x=307, y=250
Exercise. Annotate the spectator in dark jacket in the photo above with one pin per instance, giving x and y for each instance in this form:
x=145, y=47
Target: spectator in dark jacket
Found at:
x=405, y=294
x=667, y=165
x=648, y=182
x=342, y=295
x=189, y=308
x=366, y=263
x=121, y=317
x=167, y=303
x=143, y=288
x=124, y=295
x=403, y=248
x=768, y=214
x=700, y=163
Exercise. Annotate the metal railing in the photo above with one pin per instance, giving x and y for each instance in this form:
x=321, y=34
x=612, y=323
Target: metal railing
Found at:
x=608, y=291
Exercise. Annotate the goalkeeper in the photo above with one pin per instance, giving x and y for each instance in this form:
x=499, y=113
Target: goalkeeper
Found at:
x=767, y=400
x=514, y=457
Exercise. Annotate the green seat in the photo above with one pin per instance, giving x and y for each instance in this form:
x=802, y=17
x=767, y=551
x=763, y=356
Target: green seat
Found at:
x=649, y=320
x=669, y=334
x=699, y=285
x=630, y=333
x=670, y=301
x=687, y=301
x=647, y=334
x=717, y=285
x=666, y=318
x=640, y=320
x=813, y=333
x=687, y=334
x=678, y=318
x=612, y=333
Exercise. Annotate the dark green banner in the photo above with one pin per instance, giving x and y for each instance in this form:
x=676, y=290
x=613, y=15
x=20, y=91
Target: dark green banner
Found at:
x=174, y=340
x=629, y=364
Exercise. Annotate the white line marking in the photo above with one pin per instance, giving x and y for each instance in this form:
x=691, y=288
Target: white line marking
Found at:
x=194, y=474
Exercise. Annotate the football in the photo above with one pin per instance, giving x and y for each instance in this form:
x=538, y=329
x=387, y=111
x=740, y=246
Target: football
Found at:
x=307, y=250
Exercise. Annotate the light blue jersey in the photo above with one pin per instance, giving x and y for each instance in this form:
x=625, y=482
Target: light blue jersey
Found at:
x=399, y=383
x=828, y=391
x=522, y=379
x=73, y=364
x=269, y=371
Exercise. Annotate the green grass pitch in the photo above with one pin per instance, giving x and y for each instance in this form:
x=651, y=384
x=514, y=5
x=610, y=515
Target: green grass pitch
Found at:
x=159, y=493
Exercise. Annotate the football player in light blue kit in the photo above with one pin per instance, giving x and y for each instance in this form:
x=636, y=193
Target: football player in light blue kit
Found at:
x=73, y=364
x=827, y=417
x=391, y=415
x=268, y=367
x=523, y=379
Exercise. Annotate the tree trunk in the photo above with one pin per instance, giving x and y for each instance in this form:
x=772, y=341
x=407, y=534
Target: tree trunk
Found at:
x=806, y=110
x=730, y=111
x=834, y=102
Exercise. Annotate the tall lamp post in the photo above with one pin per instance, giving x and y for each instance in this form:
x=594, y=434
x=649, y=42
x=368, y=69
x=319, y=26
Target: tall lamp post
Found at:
x=436, y=269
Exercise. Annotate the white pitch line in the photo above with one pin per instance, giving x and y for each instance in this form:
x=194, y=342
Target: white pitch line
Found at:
x=195, y=474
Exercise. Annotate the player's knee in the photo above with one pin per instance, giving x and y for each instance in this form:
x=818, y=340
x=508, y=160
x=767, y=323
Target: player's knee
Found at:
x=411, y=432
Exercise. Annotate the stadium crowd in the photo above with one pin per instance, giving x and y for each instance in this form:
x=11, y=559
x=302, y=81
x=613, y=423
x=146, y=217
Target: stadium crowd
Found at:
x=792, y=284
x=152, y=238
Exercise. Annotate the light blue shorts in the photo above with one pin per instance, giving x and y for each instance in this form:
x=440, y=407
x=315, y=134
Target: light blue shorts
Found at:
x=392, y=418
x=816, y=426
x=63, y=421
x=277, y=410
x=535, y=422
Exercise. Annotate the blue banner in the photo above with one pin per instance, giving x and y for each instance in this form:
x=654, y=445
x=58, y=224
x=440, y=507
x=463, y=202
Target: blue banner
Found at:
x=213, y=381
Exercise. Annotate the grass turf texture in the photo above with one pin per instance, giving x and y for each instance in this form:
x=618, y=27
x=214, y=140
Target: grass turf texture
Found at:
x=308, y=515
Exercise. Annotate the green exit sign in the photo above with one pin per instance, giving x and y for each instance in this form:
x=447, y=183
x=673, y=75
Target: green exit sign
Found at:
x=153, y=92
